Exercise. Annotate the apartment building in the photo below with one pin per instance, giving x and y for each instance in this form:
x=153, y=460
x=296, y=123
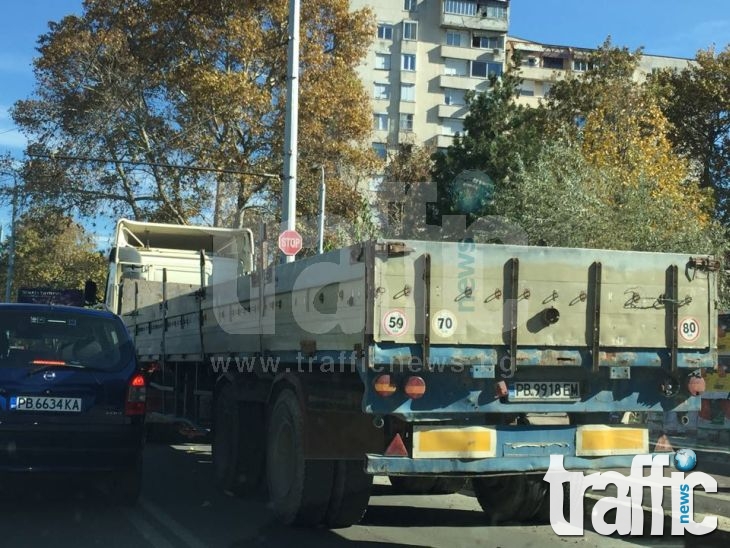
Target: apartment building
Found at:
x=544, y=64
x=426, y=54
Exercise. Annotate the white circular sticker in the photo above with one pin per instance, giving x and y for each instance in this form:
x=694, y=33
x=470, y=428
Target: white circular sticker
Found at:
x=443, y=323
x=395, y=322
x=689, y=329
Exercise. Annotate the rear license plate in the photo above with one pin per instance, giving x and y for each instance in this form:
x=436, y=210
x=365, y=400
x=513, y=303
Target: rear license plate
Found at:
x=542, y=391
x=45, y=403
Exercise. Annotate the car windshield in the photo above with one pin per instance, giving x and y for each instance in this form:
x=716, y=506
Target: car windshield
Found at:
x=58, y=338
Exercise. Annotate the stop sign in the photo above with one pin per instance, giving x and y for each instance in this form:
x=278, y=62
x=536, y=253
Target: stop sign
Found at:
x=290, y=242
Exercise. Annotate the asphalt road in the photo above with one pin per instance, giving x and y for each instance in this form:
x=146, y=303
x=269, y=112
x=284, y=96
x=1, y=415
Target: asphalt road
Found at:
x=181, y=507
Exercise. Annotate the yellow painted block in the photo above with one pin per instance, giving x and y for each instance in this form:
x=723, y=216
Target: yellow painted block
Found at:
x=601, y=440
x=473, y=442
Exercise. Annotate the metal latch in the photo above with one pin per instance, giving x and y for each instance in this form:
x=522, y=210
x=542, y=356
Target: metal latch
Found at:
x=708, y=264
x=394, y=249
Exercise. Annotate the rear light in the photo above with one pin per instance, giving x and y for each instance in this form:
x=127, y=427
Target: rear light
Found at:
x=48, y=362
x=136, y=396
x=384, y=386
x=500, y=390
x=415, y=387
x=696, y=385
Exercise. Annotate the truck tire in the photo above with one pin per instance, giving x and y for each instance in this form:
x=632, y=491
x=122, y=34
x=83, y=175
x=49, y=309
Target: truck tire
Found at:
x=427, y=485
x=350, y=494
x=238, y=443
x=299, y=489
x=501, y=497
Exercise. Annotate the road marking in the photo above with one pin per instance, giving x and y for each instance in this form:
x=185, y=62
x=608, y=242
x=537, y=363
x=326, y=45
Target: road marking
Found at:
x=147, y=530
x=174, y=526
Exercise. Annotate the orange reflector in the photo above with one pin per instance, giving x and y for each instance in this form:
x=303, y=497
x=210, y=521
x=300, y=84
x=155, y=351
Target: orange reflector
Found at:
x=48, y=362
x=396, y=448
x=415, y=387
x=501, y=390
x=384, y=386
x=663, y=445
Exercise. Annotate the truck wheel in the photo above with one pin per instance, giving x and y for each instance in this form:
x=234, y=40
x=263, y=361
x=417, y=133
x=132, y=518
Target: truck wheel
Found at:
x=412, y=485
x=536, y=494
x=238, y=443
x=500, y=497
x=350, y=494
x=299, y=489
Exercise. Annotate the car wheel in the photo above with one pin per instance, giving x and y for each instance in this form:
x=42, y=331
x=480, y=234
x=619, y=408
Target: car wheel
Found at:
x=126, y=485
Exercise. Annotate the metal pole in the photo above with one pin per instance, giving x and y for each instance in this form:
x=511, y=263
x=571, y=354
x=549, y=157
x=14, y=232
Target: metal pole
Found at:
x=11, y=247
x=322, y=194
x=291, y=128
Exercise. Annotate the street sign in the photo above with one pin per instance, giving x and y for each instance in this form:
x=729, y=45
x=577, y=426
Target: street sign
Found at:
x=290, y=242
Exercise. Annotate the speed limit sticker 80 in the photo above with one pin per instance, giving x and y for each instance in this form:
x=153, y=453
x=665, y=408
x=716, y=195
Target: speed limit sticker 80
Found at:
x=395, y=322
x=689, y=329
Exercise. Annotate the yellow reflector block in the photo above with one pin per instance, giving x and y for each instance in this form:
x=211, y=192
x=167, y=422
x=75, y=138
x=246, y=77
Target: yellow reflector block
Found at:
x=596, y=440
x=437, y=442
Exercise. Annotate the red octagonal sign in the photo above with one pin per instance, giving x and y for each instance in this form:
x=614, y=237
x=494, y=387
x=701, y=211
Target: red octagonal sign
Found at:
x=290, y=242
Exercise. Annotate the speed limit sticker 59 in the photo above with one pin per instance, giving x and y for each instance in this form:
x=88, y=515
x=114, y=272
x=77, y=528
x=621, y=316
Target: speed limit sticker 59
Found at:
x=689, y=329
x=395, y=322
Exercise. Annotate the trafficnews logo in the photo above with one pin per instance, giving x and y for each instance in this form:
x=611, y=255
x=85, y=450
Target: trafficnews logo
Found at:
x=630, y=493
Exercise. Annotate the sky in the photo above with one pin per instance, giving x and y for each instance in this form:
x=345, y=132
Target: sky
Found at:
x=663, y=27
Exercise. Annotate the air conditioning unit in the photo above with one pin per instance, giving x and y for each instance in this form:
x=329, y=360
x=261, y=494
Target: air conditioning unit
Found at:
x=496, y=51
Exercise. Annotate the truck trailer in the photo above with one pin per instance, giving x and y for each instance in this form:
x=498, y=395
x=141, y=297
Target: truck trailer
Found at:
x=425, y=361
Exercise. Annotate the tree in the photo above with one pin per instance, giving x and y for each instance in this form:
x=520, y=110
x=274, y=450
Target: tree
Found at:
x=193, y=83
x=51, y=250
x=567, y=200
x=697, y=103
x=500, y=137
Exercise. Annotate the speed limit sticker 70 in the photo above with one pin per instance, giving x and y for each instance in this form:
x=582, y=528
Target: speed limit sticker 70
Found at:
x=689, y=329
x=395, y=322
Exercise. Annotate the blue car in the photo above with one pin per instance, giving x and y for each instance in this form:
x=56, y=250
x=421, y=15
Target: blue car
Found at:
x=72, y=398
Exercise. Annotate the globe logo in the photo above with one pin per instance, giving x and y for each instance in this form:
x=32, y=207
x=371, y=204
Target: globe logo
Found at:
x=685, y=460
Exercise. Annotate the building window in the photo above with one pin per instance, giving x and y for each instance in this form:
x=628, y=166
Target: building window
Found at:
x=456, y=67
x=452, y=127
x=382, y=91
x=493, y=12
x=380, y=150
x=408, y=92
x=410, y=30
x=555, y=63
x=382, y=61
x=480, y=69
x=385, y=32
x=527, y=88
x=408, y=61
x=487, y=42
x=454, y=96
x=410, y=5
x=380, y=121
x=406, y=122
x=582, y=65
x=453, y=38
x=460, y=7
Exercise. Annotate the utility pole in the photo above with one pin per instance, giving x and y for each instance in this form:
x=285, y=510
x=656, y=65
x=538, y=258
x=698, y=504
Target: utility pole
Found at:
x=11, y=247
x=291, y=127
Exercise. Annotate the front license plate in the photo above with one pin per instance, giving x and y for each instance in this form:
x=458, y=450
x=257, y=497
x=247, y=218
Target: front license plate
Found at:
x=45, y=403
x=544, y=391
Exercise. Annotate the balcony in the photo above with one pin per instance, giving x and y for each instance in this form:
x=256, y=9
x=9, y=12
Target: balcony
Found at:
x=540, y=73
x=453, y=111
x=443, y=141
x=471, y=54
x=463, y=14
x=463, y=82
